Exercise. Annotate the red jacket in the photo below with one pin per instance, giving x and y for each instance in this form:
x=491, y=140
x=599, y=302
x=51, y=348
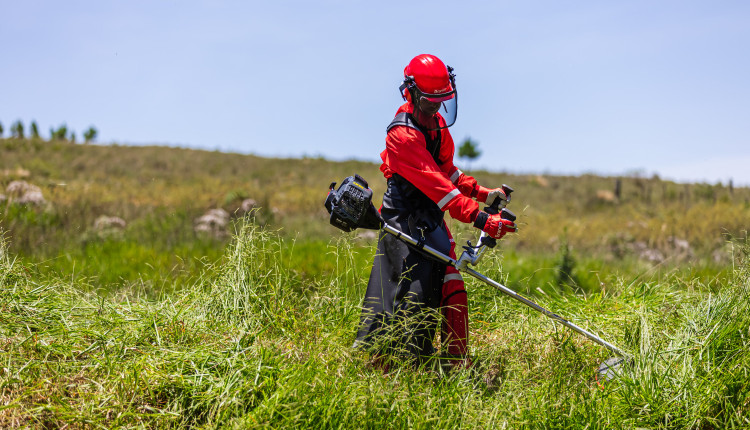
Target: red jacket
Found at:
x=406, y=154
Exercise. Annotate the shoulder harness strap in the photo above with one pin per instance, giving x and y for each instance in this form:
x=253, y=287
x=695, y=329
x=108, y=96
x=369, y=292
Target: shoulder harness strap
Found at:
x=433, y=145
x=404, y=119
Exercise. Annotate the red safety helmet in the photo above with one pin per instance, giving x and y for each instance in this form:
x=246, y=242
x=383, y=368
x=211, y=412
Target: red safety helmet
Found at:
x=428, y=78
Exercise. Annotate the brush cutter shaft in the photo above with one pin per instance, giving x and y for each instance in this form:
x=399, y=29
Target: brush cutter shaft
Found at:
x=422, y=247
x=503, y=289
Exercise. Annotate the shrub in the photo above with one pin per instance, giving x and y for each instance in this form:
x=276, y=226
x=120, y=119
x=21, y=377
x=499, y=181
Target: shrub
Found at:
x=34, y=130
x=90, y=134
x=566, y=265
x=16, y=130
x=60, y=134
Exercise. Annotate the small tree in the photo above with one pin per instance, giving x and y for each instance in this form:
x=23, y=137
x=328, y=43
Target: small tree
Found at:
x=469, y=150
x=16, y=130
x=34, y=130
x=60, y=134
x=1, y=129
x=90, y=134
x=73, y=136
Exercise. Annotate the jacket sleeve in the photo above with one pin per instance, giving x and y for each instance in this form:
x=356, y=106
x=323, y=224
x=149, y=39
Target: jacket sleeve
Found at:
x=406, y=154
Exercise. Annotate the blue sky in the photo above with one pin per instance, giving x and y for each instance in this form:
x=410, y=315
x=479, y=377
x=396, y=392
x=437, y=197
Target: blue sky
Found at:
x=562, y=87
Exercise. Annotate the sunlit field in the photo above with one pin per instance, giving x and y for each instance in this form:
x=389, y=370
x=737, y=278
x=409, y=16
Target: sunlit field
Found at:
x=172, y=320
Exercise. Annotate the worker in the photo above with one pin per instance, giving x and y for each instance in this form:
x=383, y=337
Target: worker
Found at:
x=408, y=294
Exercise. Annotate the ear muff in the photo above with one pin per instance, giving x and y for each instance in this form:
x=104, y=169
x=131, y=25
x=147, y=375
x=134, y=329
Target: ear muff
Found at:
x=405, y=88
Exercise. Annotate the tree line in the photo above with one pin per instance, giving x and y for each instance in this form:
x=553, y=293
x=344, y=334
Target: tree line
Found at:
x=18, y=131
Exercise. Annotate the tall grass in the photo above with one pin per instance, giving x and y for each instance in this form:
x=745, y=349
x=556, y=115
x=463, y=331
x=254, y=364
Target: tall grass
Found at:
x=250, y=344
x=692, y=370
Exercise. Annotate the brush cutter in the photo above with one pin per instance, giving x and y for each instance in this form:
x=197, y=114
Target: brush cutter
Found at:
x=350, y=207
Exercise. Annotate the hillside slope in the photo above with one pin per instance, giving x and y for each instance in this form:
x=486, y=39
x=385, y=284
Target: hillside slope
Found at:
x=160, y=194
x=133, y=181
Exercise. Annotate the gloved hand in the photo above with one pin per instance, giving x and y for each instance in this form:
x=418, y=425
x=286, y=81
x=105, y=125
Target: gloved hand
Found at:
x=494, y=225
x=495, y=193
x=488, y=195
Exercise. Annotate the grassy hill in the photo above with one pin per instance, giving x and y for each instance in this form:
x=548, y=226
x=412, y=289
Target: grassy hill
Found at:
x=157, y=325
x=160, y=192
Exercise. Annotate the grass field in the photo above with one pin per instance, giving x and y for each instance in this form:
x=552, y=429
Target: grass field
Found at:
x=251, y=344
x=156, y=325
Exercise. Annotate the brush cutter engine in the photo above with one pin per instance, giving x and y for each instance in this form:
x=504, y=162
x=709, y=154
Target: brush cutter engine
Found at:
x=351, y=205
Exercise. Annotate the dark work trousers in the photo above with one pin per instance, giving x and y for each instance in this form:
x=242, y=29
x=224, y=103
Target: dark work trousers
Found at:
x=400, y=310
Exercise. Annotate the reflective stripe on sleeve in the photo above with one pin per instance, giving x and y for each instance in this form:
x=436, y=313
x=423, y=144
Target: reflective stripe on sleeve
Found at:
x=447, y=199
x=452, y=277
x=456, y=175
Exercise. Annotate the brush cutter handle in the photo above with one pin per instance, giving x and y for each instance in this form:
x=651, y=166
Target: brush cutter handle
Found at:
x=485, y=240
x=499, y=202
x=507, y=214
